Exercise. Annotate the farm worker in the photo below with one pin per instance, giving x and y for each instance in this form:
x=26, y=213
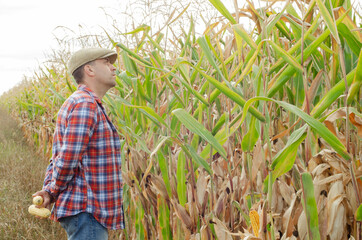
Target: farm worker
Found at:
x=83, y=179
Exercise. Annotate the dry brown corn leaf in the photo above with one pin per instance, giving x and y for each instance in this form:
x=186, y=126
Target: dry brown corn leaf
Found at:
x=258, y=159
x=205, y=232
x=356, y=121
x=330, y=157
x=336, y=212
x=220, y=205
x=217, y=168
x=263, y=220
x=321, y=169
x=195, y=236
x=337, y=221
x=158, y=183
x=201, y=187
x=277, y=200
x=137, y=160
x=244, y=181
x=221, y=230
x=322, y=215
x=302, y=227
x=320, y=189
x=287, y=192
x=182, y=214
x=284, y=237
x=351, y=196
x=288, y=224
x=330, y=179
x=312, y=90
x=193, y=210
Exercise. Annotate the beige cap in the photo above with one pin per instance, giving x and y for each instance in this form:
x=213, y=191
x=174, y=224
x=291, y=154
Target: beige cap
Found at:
x=86, y=55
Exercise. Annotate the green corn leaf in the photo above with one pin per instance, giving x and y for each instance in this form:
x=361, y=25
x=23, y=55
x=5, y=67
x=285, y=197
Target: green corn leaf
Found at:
x=322, y=130
x=219, y=124
x=181, y=178
x=350, y=24
x=164, y=171
x=231, y=94
x=197, y=159
x=158, y=59
x=357, y=81
x=358, y=214
x=133, y=54
x=310, y=9
x=332, y=95
x=186, y=83
x=142, y=28
x=352, y=41
x=241, y=32
x=275, y=22
x=245, y=216
x=250, y=138
x=286, y=56
x=129, y=65
x=221, y=136
x=151, y=114
x=208, y=53
x=164, y=218
x=310, y=206
x=297, y=45
x=328, y=20
x=60, y=97
x=187, y=42
x=139, y=217
x=223, y=10
x=194, y=126
x=155, y=44
x=289, y=71
x=285, y=158
x=248, y=66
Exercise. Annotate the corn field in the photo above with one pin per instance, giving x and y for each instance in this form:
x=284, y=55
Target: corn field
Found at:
x=233, y=134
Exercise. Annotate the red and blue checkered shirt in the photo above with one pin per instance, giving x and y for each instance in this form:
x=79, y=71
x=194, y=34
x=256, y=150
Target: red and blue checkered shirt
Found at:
x=84, y=174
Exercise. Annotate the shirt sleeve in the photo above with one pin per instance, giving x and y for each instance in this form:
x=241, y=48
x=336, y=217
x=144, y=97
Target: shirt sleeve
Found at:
x=79, y=129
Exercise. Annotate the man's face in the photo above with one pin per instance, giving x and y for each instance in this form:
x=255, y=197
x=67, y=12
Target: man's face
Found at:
x=105, y=72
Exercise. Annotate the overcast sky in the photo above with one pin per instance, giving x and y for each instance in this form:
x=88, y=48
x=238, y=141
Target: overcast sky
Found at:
x=28, y=27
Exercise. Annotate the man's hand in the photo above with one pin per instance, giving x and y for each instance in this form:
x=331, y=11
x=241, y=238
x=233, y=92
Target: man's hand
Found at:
x=47, y=198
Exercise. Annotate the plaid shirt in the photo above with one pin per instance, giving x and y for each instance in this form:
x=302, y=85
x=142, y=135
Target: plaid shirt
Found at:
x=84, y=174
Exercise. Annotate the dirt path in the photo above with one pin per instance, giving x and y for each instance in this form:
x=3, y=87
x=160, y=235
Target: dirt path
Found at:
x=21, y=174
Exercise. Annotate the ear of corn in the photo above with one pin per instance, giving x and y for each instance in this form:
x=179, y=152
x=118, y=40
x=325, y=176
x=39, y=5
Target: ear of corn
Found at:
x=38, y=200
x=40, y=212
x=254, y=220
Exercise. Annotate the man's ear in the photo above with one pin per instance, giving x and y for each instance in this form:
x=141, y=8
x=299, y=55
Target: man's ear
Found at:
x=88, y=70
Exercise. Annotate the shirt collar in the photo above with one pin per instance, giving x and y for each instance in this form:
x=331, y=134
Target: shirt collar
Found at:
x=86, y=89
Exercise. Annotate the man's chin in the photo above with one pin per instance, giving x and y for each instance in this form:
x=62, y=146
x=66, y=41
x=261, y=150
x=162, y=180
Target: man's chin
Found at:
x=112, y=84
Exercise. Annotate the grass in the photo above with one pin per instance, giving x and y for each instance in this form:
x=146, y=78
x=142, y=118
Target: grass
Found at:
x=22, y=175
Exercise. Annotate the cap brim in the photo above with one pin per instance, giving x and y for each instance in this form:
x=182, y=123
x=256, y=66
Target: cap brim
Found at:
x=112, y=57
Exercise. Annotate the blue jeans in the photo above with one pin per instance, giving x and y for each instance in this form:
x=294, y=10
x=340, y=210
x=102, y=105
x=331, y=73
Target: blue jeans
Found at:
x=83, y=226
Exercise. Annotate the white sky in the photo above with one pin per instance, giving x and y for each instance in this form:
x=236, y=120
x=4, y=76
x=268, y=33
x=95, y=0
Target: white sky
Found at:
x=27, y=29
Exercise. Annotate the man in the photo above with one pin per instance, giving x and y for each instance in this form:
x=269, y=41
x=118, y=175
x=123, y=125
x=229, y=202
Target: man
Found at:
x=83, y=179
